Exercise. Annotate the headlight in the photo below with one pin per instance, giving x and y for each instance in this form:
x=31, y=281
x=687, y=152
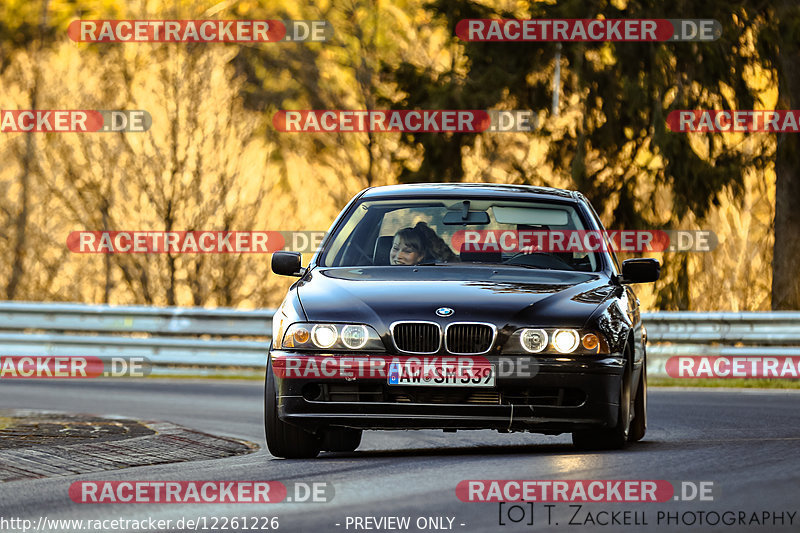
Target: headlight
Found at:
x=553, y=341
x=354, y=336
x=341, y=337
x=324, y=335
x=566, y=340
x=533, y=340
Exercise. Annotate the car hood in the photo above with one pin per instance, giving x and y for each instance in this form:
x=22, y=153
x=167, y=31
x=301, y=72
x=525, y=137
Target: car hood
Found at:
x=501, y=296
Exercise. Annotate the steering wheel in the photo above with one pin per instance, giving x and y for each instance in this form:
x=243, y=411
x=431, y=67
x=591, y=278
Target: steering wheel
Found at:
x=363, y=254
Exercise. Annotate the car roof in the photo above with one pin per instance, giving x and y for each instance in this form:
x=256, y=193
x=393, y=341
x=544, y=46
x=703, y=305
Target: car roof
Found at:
x=487, y=190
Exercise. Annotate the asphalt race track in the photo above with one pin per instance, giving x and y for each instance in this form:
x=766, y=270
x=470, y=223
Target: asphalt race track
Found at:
x=745, y=442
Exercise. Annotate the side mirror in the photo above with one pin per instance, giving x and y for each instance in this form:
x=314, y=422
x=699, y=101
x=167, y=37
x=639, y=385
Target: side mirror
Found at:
x=287, y=263
x=640, y=270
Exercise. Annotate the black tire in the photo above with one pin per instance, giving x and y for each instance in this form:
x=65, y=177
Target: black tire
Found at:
x=639, y=422
x=341, y=440
x=610, y=438
x=285, y=440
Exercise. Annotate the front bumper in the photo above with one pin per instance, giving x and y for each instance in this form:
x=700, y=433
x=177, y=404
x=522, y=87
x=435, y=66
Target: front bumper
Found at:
x=563, y=394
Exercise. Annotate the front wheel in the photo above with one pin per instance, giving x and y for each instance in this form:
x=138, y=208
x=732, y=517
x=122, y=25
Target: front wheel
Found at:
x=285, y=440
x=639, y=422
x=610, y=438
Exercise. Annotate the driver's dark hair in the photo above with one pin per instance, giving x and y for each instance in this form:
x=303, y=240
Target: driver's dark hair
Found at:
x=422, y=239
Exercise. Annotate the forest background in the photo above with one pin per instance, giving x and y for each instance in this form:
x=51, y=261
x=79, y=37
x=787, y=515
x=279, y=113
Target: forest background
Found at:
x=213, y=161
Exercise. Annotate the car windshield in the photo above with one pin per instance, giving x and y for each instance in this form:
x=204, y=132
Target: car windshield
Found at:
x=462, y=231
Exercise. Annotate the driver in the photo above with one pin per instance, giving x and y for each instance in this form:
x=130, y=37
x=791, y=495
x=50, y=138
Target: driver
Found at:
x=412, y=246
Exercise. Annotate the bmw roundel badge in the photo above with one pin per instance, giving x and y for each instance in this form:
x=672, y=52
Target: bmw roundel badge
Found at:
x=445, y=311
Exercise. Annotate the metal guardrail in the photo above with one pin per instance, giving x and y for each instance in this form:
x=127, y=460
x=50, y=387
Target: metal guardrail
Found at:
x=164, y=335
x=134, y=318
x=753, y=334
x=763, y=329
x=230, y=337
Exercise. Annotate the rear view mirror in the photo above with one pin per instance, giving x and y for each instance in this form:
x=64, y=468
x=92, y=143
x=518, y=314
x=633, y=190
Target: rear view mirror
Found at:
x=476, y=218
x=287, y=263
x=642, y=270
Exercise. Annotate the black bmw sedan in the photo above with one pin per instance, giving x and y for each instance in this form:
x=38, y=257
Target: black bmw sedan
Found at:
x=458, y=306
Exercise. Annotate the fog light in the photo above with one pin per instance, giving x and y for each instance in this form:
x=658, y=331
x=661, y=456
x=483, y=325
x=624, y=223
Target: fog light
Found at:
x=533, y=340
x=590, y=341
x=566, y=340
x=312, y=392
x=354, y=336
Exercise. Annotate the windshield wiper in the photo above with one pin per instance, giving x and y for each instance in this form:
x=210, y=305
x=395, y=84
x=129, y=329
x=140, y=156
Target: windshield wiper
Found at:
x=512, y=265
x=488, y=265
x=534, y=267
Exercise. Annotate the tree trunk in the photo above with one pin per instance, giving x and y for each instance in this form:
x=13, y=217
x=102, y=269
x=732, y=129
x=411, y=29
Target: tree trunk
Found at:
x=786, y=251
x=21, y=222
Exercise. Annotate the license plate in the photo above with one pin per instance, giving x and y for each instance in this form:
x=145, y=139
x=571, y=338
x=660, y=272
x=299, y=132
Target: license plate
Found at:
x=482, y=376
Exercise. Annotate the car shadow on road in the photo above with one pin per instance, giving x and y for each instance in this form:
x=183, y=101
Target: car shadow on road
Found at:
x=484, y=450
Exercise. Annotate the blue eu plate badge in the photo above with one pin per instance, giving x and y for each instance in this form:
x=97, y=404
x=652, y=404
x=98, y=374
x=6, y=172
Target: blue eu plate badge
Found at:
x=394, y=373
